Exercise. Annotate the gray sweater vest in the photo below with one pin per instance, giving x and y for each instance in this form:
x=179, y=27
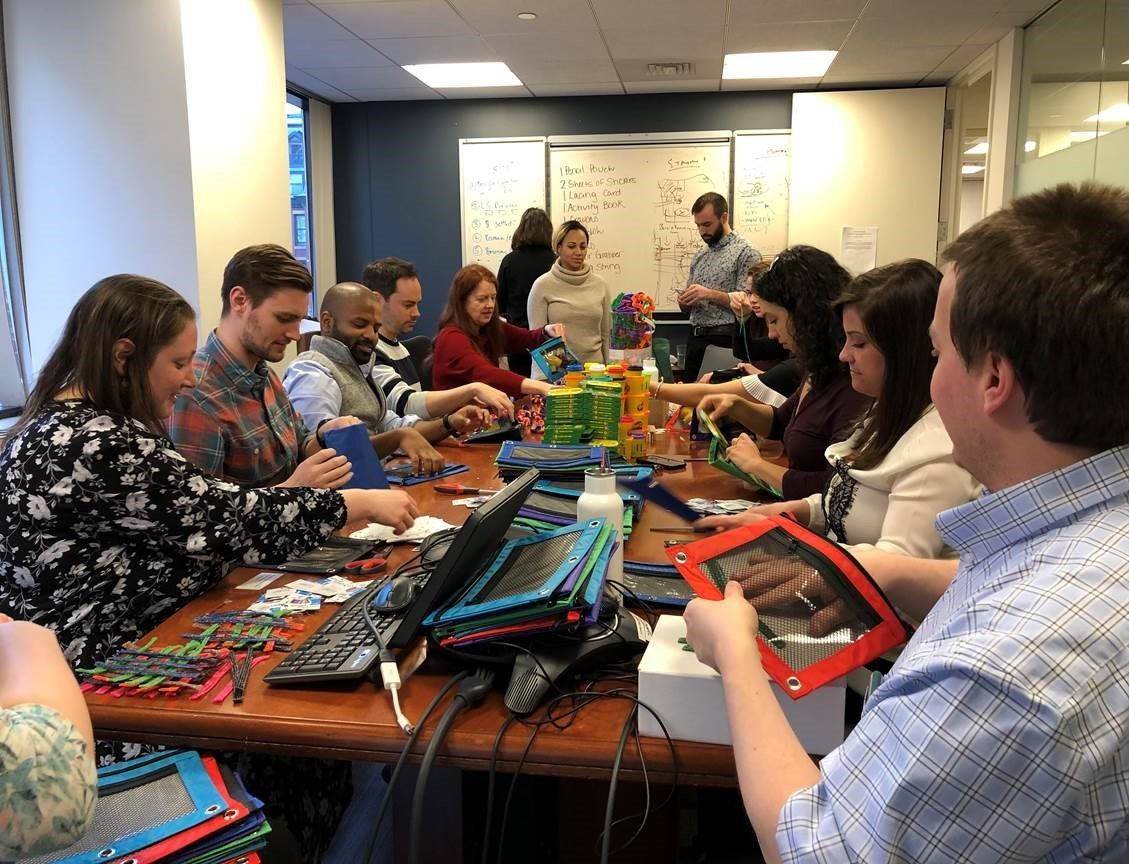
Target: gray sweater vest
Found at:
x=358, y=396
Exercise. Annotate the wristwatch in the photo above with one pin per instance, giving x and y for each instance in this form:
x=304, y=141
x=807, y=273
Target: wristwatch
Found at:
x=317, y=433
x=448, y=427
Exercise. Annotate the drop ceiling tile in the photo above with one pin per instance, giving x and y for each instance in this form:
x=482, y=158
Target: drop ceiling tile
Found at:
x=958, y=59
x=845, y=82
x=666, y=27
x=398, y=18
x=673, y=86
x=900, y=61
x=562, y=71
x=604, y=88
x=382, y=77
x=381, y=94
x=912, y=23
x=745, y=36
x=775, y=11
x=554, y=17
x=334, y=53
x=485, y=93
x=308, y=23
x=569, y=47
x=316, y=85
x=434, y=49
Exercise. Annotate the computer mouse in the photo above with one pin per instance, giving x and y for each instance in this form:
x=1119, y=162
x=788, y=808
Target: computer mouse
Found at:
x=396, y=594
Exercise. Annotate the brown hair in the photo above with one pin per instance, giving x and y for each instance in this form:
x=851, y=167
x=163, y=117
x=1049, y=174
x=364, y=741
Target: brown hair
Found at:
x=566, y=227
x=261, y=271
x=147, y=313
x=895, y=303
x=534, y=229
x=1045, y=284
x=712, y=199
x=381, y=276
x=806, y=281
x=490, y=337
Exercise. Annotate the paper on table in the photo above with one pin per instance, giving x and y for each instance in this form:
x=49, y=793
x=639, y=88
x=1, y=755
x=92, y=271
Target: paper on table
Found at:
x=424, y=526
x=859, y=250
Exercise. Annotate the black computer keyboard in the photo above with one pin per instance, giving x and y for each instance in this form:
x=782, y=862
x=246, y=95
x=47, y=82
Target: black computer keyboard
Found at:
x=342, y=649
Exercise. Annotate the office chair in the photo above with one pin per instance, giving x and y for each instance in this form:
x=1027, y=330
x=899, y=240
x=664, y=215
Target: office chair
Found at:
x=419, y=349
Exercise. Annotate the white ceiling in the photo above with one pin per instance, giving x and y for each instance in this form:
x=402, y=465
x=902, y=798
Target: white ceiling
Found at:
x=352, y=50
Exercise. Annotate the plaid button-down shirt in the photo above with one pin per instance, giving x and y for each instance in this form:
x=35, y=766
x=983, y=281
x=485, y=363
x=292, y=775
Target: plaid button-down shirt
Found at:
x=237, y=424
x=1002, y=732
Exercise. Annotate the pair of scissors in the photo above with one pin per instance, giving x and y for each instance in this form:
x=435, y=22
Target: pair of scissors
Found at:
x=365, y=566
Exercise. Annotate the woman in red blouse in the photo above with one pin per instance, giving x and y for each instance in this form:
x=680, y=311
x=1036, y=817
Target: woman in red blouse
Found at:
x=472, y=338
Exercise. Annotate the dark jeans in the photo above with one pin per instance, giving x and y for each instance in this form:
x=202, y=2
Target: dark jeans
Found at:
x=696, y=347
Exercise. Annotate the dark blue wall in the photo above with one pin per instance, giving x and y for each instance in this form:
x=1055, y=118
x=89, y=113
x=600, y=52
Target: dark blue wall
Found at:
x=396, y=164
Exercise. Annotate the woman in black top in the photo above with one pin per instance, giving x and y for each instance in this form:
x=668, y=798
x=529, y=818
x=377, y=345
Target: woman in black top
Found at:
x=531, y=257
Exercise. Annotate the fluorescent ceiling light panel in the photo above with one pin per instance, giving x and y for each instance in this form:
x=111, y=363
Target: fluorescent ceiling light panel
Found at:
x=971, y=169
x=1086, y=135
x=977, y=149
x=446, y=75
x=1029, y=146
x=1113, y=114
x=777, y=64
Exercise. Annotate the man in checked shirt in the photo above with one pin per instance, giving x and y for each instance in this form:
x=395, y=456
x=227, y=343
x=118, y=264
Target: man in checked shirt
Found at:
x=1002, y=732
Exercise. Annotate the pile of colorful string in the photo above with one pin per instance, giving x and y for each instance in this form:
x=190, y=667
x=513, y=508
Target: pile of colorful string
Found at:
x=632, y=320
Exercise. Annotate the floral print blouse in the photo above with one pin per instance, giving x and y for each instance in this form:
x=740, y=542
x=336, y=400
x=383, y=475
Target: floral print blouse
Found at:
x=47, y=782
x=105, y=529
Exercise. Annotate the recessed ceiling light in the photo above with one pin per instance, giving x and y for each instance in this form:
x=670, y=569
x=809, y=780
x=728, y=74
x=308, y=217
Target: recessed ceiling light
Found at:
x=1125, y=62
x=445, y=75
x=1029, y=146
x=1118, y=113
x=527, y=16
x=777, y=64
x=971, y=169
x=977, y=149
x=1086, y=135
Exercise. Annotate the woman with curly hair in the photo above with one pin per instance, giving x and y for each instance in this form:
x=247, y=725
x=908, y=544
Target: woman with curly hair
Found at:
x=797, y=295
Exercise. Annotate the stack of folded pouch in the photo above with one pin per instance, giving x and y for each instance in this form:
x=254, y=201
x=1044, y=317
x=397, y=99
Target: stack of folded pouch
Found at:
x=552, y=460
x=176, y=807
x=550, y=581
x=552, y=504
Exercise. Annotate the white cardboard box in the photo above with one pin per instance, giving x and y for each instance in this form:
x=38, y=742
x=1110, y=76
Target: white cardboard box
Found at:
x=687, y=694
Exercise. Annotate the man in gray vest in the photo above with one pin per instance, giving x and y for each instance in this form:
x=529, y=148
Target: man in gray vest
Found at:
x=331, y=379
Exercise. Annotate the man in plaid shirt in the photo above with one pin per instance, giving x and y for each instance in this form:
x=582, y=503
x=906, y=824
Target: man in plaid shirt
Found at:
x=1002, y=731
x=238, y=423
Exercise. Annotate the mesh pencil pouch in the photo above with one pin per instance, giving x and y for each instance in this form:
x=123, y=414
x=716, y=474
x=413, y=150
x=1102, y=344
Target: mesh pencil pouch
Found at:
x=820, y=613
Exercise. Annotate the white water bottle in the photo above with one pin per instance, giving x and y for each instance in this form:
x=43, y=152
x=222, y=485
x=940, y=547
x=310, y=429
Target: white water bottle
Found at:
x=600, y=499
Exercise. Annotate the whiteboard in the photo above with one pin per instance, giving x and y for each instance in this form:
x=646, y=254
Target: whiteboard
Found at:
x=634, y=195
x=498, y=180
x=761, y=177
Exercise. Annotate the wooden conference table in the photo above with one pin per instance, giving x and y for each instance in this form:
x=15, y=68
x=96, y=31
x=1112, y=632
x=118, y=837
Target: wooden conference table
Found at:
x=357, y=722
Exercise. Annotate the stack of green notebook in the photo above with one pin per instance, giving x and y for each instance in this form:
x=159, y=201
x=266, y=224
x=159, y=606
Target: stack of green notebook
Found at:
x=568, y=416
x=607, y=402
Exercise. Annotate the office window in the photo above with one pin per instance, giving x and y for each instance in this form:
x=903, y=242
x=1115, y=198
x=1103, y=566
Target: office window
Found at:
x=1074, y=99
x=297, y=137
x=14, y=351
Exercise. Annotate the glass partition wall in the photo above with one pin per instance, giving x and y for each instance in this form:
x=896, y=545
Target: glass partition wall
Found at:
x=1074, y=98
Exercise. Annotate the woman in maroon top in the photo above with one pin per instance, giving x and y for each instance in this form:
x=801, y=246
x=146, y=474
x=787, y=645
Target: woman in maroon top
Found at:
x=797, y=295
x=472, y=338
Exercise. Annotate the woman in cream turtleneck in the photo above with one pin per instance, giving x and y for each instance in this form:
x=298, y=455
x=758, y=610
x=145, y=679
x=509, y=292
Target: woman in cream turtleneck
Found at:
x=571, y=294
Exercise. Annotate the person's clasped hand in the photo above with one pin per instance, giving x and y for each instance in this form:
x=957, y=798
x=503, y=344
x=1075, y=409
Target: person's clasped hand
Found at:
x=723, y=632
x=744, y=453
x=425, y=458
x=324, y=469
x=469, y=418
x=788, y=586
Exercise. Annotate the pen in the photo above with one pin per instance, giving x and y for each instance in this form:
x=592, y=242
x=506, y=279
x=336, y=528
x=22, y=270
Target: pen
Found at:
x=682, y=530
x=459, y=489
